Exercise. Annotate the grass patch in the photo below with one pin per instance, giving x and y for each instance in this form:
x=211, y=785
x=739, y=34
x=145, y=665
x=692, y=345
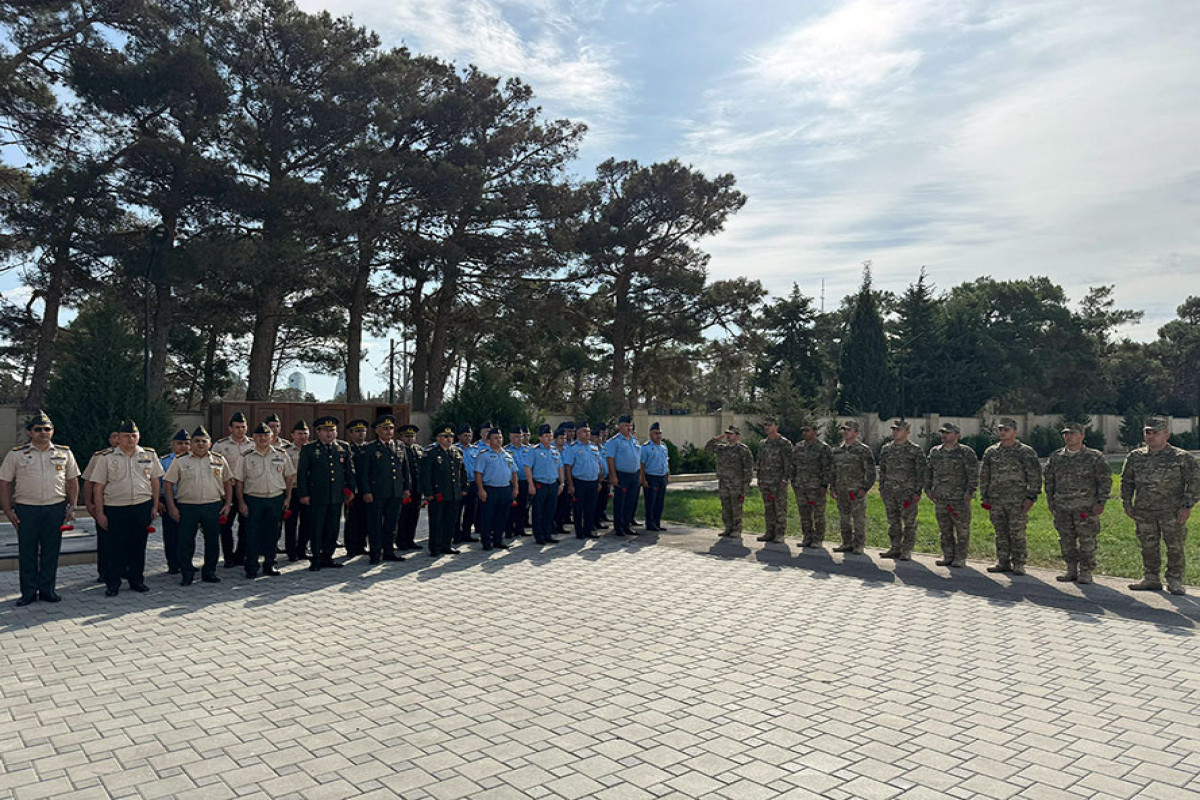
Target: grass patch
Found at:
x=1117, y=551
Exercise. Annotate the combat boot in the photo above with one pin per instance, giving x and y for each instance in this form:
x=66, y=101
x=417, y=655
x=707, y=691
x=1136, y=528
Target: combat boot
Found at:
x=1017, y=569
x=843, y=548
x=1085, y=576
x=904, y=556
x=890, y=553
x=1146, y=584
x=1072, y=574
x=958, y=563
x=944, y=561
x=1000, y=566
x=1173, y=586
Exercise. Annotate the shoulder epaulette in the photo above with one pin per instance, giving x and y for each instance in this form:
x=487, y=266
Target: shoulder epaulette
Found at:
x=225, y=439
x=61, y=447
x=150, y=451
x=245, y=452
x=21, y=447
x=103, y=452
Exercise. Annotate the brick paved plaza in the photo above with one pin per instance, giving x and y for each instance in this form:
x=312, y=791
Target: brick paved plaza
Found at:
x=682, y=668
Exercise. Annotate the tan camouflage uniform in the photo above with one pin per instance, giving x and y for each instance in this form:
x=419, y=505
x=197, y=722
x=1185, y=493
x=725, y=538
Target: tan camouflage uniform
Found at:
x=902, y=469
x=735, y=470
x=1155, y=487
x=853, y=475
x=1008, y=478
x=774, y=471
x=1077, y=482
x=951, y=479
x=812, y=472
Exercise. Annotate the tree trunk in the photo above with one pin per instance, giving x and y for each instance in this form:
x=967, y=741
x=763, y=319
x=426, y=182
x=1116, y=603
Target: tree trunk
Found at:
x=357, y=308
x=620, y=337
x=420, y=359
x=164, y=309
x=268, y=308
x=35, y=397
x=208, y=387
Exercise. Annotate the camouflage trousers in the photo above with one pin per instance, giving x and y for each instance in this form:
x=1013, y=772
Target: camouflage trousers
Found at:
x=811, y=503
x=731, y=508
x=1153, y=529
x=1009, y=519
x=852, y=518
x=1077, y=532
x=775, y=503
x=902, y=519
x=954, y=524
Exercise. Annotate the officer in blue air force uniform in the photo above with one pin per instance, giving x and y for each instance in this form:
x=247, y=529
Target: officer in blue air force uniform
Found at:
x=495, y=485
x=38, y=490
x=544, y=483
x=517, y=449
x=655, y=469
x=623, y=452
x=582, y=468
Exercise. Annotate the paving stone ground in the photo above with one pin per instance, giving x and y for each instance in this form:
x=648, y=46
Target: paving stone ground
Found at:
x=683, y=666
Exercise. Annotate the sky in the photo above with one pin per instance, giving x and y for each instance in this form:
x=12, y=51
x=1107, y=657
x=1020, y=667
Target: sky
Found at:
x=1003, y=138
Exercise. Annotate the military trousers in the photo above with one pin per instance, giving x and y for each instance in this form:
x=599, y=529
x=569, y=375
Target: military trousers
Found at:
x=1158, y=530
x=234, y=551
x=520, y=512
x=1009, y=519
x=954, y=527
x=732, y=501
x=775, y=503
x=544, y=504
x=562, y=511
x=625, y=501
x=852, y=518
x=410, y=515
x=39, y=541
x=811, y=504
x=443, y=524
x=262, y=532
x=295, y=530
x=206, y=518
x=1077, y=534
x=656, y=497
x=584, y=501
x=170, y=534
x=383, y=517
x=357, y=527
x=324, y=519
x=493, y=515
x=127, y=543
x=602, y=502
x=470, y=511
x=102, y=545
x=901, y=511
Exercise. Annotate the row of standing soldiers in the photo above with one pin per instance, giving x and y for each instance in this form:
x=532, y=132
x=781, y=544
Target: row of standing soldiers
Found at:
x=1159, y=485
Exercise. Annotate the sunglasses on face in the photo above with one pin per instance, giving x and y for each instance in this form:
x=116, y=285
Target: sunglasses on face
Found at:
x=42, y=429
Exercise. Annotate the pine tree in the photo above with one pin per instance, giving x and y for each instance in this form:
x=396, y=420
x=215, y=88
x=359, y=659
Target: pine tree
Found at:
x=866, y=383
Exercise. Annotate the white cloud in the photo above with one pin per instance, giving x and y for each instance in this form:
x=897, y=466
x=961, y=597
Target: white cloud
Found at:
x=1007, y=138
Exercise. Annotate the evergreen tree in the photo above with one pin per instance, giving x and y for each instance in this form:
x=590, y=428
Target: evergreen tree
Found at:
x=866, y=382
x=918, y=349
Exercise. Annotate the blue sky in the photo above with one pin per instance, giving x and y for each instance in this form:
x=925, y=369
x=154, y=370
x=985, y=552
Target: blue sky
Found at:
x=1004, y=138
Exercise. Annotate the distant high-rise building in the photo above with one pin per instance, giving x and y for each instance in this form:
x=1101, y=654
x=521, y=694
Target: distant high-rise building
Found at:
x=340, y=389
x=296, y=381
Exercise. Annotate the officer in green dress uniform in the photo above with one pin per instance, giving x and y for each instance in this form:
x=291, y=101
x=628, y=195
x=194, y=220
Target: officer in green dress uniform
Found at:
x=383, y=485
x=410, y=512
x=356, y=512
x=325, y=481
x=444, y=484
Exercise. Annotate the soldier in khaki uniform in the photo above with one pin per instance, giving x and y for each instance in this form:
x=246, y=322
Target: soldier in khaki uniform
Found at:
x=264, y=476
x=198, y=494
x=853, y=477
x=1078, y=483
x=902, y=468
x=231, y=448
x=735, y=470
x=295, y=523
x=1159, y=485
x=38, y=489
x=950, y=483
x=126, y=498
x=812, y=472
x=1010, y=480
x=774, y=469
x=89, y=495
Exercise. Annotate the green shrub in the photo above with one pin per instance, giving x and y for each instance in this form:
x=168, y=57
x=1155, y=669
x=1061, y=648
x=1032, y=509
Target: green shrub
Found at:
x=694, y=459
x=1188, y=440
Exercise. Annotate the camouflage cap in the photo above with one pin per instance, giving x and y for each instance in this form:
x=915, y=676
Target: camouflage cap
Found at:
x=1072, y=427
x=949, y=427
x=1155, y=424
x=901, y=424
x=734, y=429
x=770, y=420
x=1006, y=422
x=850, y=425
x=809, y=426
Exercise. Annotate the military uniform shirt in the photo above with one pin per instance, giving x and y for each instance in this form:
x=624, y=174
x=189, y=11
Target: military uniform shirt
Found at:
x=544, y=463
x=264, y=474
x=584, y=461
x=774, y=460
x=93, y=462
x=902, y=468
x=812, y=465
x=625, y=451
x=497, y=468
x=127, y=478
x=518, y=457
x=953, y=472
x=853, y=467
x=1166, y=481
x=39, y=477
x=468, y=456
x=1077, y=481
x=654, y=458
x=232, y=450
x=1010, y=473
x=198, y=479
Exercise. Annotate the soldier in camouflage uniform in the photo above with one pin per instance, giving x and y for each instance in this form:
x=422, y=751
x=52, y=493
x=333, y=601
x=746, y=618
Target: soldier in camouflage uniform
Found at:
x=853, y=476
x=902, y=469
x=1159, y=485
x=812, y=472
x=735, y=470
x=774, y=472
x=950, y=482
x=1010, y=480
x=1077, y=486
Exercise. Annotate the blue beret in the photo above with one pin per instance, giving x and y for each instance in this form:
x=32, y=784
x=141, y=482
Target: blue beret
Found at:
x=625, y=418
x=181, y=435
x=655, y=427
x=543, y=429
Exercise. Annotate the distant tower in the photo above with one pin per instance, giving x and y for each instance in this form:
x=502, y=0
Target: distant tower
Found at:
x=340, y=390
x=296, y=381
